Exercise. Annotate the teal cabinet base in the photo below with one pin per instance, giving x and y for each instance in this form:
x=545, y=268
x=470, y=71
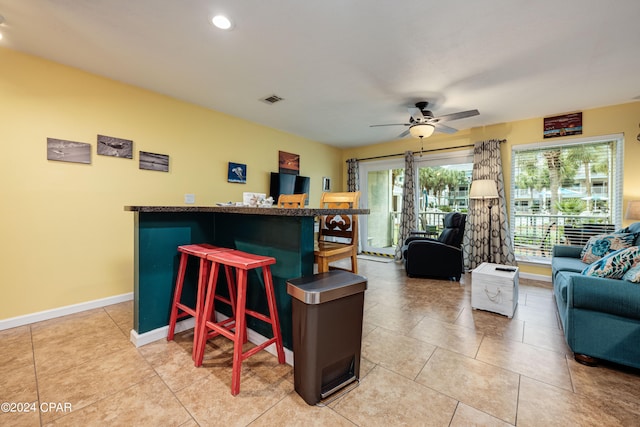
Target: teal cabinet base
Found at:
x=158, y=234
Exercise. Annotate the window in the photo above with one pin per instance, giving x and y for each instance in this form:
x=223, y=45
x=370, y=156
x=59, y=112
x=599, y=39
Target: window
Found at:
x=564, y=192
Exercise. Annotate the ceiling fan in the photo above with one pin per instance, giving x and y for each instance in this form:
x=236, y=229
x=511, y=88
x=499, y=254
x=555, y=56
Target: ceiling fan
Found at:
x=422, y=123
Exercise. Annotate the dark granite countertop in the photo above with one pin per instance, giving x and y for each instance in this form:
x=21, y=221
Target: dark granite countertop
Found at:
x=246, y=210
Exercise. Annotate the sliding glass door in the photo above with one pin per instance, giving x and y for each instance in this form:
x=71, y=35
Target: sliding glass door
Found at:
x=442, y=185
x=381, y=185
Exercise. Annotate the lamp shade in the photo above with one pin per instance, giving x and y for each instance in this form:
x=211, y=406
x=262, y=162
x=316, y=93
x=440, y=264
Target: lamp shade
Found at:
x=483, y=189
x=421, y=130
x=633, y=211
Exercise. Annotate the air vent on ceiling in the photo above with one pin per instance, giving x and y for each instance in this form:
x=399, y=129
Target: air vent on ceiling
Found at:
x=271, y=99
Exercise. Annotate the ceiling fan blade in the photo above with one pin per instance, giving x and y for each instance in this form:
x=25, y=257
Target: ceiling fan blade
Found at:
x=456, y=116
x=391, y=124
x=444, y=129
x=416, y=114
x=403, y=134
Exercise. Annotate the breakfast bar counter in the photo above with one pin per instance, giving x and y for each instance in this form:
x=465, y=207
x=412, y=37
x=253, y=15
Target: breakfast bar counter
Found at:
x=285, y=234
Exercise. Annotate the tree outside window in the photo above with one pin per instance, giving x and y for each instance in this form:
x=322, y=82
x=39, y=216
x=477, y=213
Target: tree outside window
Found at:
x=558, y=189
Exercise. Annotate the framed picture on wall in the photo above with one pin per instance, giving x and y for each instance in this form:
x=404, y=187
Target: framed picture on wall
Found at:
x=288, y=163
x=154, y=161
x=68, y=151
x=237, y=173
x=326, y=183
x=115, y=147
x=565, y=125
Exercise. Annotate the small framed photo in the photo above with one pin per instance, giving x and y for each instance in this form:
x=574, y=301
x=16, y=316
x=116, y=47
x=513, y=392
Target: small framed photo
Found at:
x=326, y=183
x=68, y=151
x=288, y=163
x=237, y=173
x=154, y=161
x=115, y=147
x=564, y=125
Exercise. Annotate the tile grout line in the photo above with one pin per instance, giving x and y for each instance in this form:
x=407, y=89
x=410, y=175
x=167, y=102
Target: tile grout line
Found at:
x=169, y=388
x=35, y=373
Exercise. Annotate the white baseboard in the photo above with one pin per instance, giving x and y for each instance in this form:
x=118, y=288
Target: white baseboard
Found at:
x=161, y=333
x=137, y=339
x=541, y=277
x=27, y=319
x=258, y=339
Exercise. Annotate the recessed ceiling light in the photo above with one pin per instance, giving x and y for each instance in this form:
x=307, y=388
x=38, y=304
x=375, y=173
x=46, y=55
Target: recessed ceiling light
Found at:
x=221, y=22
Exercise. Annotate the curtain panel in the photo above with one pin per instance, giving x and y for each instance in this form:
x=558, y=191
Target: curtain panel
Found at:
x=408, y=217
x=487, y=164
x=353, y=184
x=353, y=180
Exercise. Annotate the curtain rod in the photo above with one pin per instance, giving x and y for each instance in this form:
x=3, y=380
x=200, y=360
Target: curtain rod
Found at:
x=421, y=151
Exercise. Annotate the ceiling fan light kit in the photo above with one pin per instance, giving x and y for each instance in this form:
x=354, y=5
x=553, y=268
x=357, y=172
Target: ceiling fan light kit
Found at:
x=422, y=130
x=422, y=122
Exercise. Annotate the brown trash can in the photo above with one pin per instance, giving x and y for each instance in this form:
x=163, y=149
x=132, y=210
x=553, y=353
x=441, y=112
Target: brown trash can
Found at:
x=327, y=332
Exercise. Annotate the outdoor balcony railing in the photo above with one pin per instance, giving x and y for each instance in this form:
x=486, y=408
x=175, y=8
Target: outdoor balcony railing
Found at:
x=534, y=235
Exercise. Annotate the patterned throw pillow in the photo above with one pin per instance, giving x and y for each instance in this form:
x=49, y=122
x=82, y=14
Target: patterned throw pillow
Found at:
x=603, y=244
x=633, y=274
x=615, y=264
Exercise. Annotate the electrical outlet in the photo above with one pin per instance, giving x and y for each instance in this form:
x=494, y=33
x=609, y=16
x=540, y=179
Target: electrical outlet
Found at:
x=190, y=198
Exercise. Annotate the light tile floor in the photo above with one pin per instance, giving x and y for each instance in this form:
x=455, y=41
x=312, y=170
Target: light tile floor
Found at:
x=427, y=359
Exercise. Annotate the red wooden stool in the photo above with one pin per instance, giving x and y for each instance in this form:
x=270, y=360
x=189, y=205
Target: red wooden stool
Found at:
x=180, y=310
x=243, y=262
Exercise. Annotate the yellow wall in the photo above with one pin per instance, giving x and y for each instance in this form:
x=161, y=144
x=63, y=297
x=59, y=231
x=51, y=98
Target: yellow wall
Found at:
x=65, y=236
x=615, y=119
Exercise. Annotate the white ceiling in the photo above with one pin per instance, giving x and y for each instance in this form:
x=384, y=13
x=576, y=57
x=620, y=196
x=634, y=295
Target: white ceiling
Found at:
x=342, y=65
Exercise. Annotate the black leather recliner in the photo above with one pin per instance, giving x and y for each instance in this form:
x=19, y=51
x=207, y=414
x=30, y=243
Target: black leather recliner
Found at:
x=441, y=257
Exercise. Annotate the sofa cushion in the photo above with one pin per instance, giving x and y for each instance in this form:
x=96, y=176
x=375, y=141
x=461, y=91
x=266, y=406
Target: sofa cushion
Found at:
x=603, y=244
x=561, y=283
x=567, y=264
x=614, y=265
x=613, y=297
x=633, y=274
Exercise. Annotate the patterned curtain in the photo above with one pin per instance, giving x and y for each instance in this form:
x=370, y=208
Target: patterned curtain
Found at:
x=408, y=218
x=487, y=164
x=353, y=181
x=353, y=184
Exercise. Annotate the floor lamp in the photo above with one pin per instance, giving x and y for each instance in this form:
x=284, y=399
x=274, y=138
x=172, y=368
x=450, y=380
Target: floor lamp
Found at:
x=485, y=189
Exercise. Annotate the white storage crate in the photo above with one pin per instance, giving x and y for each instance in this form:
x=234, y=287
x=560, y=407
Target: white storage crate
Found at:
x=494, y=290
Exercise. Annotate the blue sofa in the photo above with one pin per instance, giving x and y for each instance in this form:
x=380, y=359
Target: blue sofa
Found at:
x=600, y=317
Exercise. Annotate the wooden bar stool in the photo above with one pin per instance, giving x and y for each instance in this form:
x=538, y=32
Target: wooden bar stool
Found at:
x=235, y=328
x=338, y=234
x=292, y=201
x=180, y=310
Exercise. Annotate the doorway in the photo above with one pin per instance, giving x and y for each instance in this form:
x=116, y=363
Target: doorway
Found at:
x=442, y=186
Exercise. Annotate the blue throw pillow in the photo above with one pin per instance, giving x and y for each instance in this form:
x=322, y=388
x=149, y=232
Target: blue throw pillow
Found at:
x=603, y=244
x=615, y=264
